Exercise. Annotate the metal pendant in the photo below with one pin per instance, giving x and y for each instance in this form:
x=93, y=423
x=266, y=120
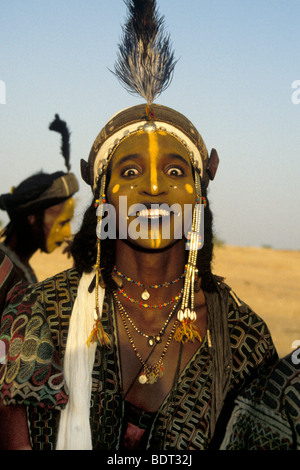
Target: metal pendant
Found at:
x=145, y=295
x=143, y=379
x=149, y=127
x=152, y=378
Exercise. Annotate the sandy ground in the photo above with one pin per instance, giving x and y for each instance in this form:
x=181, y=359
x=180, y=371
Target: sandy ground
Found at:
x=268, y=280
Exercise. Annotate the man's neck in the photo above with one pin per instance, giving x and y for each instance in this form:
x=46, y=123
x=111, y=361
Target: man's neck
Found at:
x=150, y=267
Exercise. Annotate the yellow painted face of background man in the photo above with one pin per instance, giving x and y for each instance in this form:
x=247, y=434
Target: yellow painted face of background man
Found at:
x=57, y=227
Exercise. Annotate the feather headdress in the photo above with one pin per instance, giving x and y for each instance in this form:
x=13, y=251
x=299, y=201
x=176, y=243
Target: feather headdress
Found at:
x=61, y=127
x=145, y=61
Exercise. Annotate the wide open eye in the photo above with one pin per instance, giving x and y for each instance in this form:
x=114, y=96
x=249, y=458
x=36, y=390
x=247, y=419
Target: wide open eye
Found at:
x=175, y=171
x=129, y=172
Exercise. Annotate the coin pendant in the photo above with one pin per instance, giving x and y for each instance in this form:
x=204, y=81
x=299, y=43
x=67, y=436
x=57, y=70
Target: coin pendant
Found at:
x=145, y=295
x=142, y=379
x=152, y=378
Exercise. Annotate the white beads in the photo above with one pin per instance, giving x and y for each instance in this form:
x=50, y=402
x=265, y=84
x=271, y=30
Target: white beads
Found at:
x=193, y=315
x=186, y=314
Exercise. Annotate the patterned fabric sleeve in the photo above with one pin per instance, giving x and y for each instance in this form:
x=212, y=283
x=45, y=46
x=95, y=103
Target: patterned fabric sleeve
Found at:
x=8, y=278
x=34, y=332
x=267, y=415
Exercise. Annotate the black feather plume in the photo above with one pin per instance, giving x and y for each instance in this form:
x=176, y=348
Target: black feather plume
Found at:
x=145, y=61
x=61, y=127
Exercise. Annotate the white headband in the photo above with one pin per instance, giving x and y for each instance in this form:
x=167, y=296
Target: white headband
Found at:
x=109, y=144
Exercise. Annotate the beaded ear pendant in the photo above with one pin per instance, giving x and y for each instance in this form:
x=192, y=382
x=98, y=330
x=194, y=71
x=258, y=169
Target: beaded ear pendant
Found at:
x=186, y=330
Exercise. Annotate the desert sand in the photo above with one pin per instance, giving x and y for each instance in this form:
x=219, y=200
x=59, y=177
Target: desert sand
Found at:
x=268, y=280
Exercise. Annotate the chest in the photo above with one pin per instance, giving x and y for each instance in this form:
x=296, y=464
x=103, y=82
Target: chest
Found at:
x=155, y=403
x=150, y=368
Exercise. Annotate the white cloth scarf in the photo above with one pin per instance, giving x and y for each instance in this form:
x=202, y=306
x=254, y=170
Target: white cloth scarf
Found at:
x=74, y=431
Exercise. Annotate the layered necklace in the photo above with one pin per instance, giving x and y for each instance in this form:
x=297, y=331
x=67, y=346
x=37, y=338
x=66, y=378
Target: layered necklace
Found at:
x=151, y=339
x=149, y=305
x=149, y=374
x=145, y=295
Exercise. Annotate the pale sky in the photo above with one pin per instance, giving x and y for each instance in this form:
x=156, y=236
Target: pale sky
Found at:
x=238, y=61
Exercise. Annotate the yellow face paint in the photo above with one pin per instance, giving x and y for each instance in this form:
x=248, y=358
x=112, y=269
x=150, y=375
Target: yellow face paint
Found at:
x=144, y=161
x=57, y=224
x=155, y=237
x=116, y=188
x=153, y=151
x=189, y=188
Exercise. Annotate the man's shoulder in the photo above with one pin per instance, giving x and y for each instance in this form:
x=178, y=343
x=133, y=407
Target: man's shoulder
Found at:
x=50, y=299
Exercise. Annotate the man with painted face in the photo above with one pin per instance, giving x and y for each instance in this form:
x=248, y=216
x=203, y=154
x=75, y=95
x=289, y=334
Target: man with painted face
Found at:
x=40, y=209
x=139, y=346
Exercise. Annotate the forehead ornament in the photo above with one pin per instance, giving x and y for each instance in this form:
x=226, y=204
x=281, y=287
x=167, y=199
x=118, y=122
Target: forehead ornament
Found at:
x=107, y=150
x=149, y=127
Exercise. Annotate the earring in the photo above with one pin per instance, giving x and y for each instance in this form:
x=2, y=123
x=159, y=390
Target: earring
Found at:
x=186, y=330
x=98, y=333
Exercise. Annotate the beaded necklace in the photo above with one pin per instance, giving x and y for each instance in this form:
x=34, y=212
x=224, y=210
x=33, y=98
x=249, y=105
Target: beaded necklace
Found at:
x=151, y=339
x=142, y=304
x=150, y=374
x=145, y=294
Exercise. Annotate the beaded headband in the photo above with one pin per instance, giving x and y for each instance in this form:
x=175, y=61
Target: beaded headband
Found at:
x=107, y=150
x=132, y=120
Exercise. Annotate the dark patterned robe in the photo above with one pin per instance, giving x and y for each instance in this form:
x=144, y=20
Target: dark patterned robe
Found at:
x=35, y=328
x=267, y=415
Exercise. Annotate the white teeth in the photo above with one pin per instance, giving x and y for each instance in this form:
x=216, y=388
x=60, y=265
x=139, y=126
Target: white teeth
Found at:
x=153, y=213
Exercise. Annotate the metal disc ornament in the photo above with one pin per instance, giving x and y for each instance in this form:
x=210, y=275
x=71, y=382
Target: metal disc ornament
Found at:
x=145, y=295
x=143, y=379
